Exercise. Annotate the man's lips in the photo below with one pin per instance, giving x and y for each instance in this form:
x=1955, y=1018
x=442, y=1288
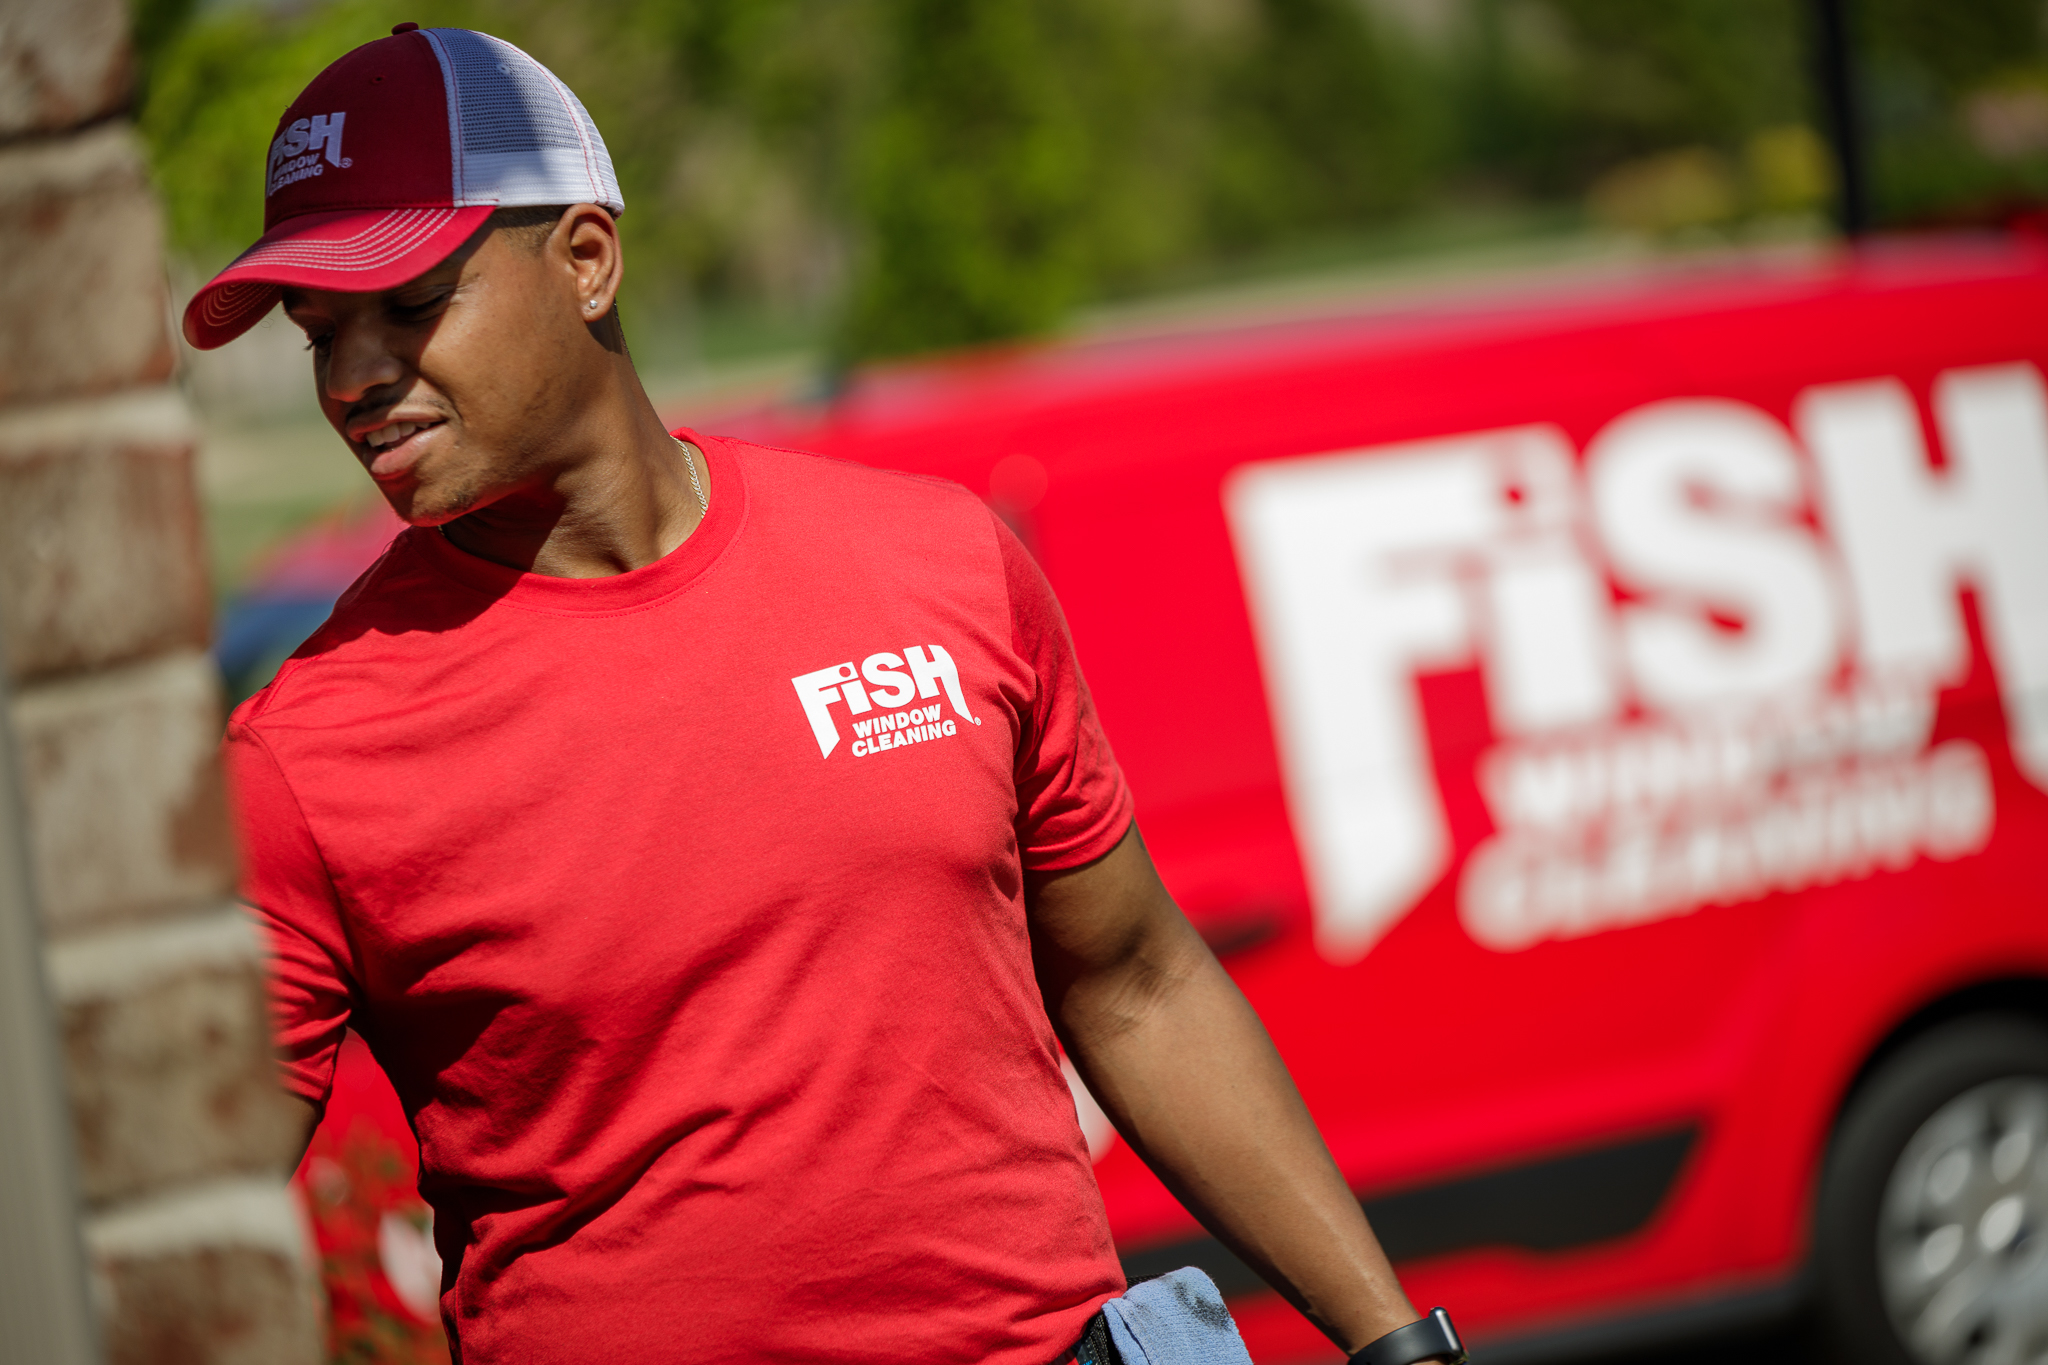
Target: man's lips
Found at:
x=391, y=447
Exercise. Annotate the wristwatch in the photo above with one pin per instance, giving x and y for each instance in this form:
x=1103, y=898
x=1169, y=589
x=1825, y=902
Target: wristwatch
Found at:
x=1432, y=1338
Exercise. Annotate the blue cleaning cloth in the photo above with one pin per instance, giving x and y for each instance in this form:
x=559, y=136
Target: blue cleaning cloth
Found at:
x=1177, y=1319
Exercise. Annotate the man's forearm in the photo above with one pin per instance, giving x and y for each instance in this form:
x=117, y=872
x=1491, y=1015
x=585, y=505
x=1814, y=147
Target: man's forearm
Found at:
x=306, y=1116
x=1180, y=1062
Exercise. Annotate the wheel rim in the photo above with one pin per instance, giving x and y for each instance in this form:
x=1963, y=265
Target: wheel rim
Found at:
x=1962, y=1244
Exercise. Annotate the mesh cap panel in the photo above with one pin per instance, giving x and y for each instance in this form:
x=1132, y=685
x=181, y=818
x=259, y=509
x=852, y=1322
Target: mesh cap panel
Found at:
x=518, y=135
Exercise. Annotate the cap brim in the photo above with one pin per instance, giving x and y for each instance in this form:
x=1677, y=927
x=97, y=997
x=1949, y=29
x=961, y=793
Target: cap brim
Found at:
x=355, y=251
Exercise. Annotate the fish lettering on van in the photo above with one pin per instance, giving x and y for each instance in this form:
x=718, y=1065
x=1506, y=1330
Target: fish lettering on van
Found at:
x=1650, y=758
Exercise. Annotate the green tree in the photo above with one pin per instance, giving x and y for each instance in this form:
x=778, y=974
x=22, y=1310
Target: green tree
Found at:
x=152, y=25
x=1321, y=121
x=971, y=178
x=1932, y=71
x=1553, y=94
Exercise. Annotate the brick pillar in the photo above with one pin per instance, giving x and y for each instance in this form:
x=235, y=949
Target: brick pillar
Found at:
x=198, y=1254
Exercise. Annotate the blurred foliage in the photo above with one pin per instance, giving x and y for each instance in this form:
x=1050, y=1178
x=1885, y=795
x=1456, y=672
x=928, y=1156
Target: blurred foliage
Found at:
x=1957, y=102
x=929, y=173
x=354, y=1182
x=153, y=23
x=971, y=176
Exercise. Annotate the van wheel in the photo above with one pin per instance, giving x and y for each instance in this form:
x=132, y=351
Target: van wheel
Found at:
x=1931, y=1240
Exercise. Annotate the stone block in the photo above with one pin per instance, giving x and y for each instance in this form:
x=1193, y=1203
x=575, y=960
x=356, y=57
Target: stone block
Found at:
x=209, y=1275
x=167, y=1051
x=101, y=554
x=127, y=810
x=83, y=292
x=62, y=63
x=209, y=1306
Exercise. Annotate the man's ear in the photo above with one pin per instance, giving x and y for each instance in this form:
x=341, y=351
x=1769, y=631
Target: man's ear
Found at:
x=588, y=240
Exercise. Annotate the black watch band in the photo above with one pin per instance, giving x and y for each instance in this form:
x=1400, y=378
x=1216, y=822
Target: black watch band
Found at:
x=1433, y=1338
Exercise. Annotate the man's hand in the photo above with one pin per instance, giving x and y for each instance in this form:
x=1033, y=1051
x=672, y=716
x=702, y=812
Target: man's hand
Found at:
x=1184, y=1068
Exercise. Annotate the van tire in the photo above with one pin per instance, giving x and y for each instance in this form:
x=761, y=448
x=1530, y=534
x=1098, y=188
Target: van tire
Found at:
x=1871, y=1140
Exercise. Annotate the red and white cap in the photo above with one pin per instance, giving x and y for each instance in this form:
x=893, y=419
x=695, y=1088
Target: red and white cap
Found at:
x=392, y=158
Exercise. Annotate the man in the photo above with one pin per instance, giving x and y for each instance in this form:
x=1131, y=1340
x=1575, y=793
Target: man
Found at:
x=729, y=1031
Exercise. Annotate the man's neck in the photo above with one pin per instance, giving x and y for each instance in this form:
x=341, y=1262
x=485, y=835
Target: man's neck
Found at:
x=625, y=501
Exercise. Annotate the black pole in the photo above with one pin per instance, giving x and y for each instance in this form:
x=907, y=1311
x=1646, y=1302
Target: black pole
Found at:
x=1836, y=68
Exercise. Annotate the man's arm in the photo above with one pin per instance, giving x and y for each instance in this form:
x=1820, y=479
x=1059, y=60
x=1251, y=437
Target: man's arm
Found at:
x=307, y=1118
x=1183, y=1066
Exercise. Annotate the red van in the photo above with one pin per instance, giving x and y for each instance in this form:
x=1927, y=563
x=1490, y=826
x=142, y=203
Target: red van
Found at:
x=1605, y=734
x=1607, y=738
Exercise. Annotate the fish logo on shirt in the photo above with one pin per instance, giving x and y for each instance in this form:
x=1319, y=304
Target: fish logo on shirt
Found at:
x=896, y=680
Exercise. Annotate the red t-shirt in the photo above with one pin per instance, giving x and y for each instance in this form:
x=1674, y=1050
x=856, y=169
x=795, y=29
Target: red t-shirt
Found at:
x=685, y=910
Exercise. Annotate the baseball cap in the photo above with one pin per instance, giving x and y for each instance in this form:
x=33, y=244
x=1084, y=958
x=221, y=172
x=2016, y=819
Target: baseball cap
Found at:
x=392, y=158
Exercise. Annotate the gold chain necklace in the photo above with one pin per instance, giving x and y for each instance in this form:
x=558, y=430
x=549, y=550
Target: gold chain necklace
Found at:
x=696, y=484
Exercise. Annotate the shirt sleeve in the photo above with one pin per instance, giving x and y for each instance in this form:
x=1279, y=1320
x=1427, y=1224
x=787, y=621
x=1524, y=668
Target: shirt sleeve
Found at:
x=1072, y=802
x=286, y=885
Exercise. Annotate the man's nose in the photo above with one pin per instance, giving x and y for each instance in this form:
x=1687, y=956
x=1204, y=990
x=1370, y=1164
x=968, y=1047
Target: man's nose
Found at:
x=358, y=360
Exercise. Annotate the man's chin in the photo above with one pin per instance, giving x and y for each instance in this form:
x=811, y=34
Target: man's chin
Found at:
x=425, y=504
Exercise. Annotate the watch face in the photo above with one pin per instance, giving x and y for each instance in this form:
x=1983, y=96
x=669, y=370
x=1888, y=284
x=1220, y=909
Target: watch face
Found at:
x=1427, y=1339
x=1442, y=1320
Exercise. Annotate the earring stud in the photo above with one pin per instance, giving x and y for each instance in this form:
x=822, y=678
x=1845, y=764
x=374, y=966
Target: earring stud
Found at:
x=591, y=304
